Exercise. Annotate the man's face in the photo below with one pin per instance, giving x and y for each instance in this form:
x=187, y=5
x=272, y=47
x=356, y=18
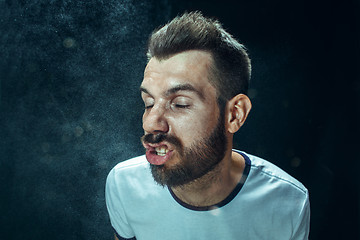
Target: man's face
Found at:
x=184, y=133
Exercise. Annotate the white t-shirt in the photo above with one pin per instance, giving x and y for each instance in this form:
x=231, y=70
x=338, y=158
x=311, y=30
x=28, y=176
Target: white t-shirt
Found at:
x=266, y=204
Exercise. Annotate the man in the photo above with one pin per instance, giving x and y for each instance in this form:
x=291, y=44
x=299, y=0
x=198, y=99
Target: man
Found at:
x=191, y=184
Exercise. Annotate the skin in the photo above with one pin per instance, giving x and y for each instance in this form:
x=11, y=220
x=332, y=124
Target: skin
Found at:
x=180, y=100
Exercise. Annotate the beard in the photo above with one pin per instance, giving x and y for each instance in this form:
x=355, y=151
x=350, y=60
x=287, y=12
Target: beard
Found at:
x=196, y=161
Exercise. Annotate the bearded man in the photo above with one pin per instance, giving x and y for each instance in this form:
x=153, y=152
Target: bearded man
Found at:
x=191, y=184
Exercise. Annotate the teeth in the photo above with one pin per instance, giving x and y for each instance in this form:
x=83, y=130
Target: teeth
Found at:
x=161, y=151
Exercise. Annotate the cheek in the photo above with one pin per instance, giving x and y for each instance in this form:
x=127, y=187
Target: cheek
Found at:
x=191, y=129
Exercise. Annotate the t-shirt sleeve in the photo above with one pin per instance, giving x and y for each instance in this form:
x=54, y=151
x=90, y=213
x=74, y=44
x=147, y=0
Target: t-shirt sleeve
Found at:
x=115, y=207
x=301, y=232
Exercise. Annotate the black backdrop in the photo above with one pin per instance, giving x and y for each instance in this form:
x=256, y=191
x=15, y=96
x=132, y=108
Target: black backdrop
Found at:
x=70, y=107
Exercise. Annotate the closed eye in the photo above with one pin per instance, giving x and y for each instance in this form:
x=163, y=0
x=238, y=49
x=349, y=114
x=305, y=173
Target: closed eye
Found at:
x=182, y=106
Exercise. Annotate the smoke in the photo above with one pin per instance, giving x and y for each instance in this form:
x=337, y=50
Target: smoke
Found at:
x=70, y=110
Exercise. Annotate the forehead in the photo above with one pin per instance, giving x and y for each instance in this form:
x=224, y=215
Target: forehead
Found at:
x=189, y=67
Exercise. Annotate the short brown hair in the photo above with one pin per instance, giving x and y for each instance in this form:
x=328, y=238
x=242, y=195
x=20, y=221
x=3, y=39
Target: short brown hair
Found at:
x=231, y=68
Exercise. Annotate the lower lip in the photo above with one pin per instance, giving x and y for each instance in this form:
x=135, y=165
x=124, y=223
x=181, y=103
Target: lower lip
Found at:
x=155, y=159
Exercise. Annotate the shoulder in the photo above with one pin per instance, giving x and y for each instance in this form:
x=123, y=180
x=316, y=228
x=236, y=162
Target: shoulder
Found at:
x=277, y=197
x=128, y=166
x=134, y=169
x=132, y=163
x=131, y=183
x=264, y=171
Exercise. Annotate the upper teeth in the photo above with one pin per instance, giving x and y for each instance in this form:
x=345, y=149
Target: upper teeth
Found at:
x=161, y=150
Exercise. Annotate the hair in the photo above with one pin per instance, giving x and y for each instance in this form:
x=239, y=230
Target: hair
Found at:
x=231, y=69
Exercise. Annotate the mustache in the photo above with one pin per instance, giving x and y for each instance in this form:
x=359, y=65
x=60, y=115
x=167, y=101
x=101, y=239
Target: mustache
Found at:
x=160, y=137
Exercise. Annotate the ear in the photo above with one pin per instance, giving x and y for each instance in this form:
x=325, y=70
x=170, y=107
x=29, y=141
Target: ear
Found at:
x=237, y=110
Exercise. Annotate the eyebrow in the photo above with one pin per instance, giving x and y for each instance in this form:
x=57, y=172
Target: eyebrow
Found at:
x=144, y=90
x=177, y=88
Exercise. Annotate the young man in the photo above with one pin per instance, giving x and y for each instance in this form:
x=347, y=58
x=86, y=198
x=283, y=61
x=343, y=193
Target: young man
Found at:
x=191, y=184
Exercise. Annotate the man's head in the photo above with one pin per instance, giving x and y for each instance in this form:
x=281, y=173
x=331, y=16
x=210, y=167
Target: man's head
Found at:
x=193, y=98
x=230, y=70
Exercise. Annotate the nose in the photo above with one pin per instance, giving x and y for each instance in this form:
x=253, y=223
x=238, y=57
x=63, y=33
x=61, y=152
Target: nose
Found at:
x=154, y=120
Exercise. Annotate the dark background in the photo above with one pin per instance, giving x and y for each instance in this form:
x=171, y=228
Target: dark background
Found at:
x=70, y=107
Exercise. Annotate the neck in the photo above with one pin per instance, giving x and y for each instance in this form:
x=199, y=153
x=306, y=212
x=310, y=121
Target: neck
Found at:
x=216, y=185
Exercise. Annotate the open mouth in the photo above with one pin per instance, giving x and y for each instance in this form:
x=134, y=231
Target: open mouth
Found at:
x=162, y=150
x=157, y=154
